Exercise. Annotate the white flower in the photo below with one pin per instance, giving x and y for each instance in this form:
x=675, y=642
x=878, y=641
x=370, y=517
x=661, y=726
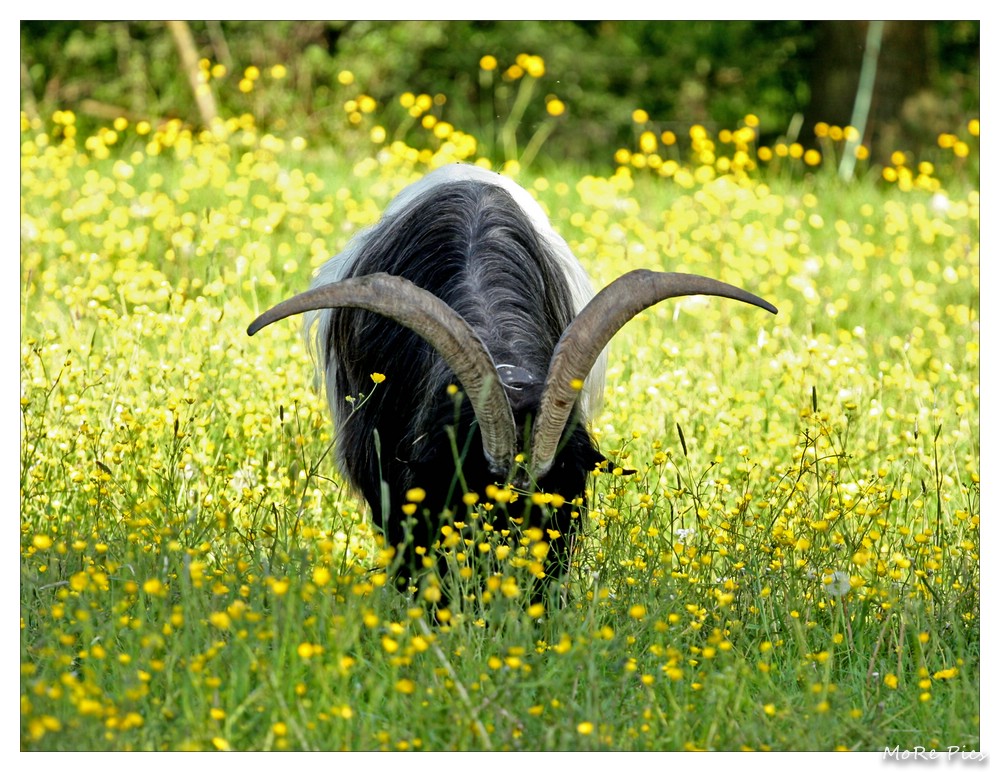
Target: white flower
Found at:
x=837, y=584
x=244, y=479
x=940, y=203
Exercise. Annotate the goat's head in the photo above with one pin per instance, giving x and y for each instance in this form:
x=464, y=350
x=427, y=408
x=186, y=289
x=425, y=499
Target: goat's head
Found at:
x=492, y=388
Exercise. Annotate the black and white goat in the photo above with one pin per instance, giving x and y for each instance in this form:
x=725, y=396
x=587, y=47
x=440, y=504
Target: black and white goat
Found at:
x=465, y=282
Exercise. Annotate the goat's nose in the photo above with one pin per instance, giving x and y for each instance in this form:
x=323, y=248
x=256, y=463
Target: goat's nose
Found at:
x=516, y=378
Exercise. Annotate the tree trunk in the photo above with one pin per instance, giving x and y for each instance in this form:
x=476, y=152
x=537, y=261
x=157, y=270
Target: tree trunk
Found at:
x=189, y=61
x=903, y=71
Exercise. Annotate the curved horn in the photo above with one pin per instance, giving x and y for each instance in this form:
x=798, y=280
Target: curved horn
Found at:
x=589, y=333
x=437, y=323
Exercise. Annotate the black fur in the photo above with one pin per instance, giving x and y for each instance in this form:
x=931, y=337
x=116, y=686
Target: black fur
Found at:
x=472, y=245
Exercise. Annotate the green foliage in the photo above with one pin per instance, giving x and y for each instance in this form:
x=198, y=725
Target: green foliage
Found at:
x=680, y=72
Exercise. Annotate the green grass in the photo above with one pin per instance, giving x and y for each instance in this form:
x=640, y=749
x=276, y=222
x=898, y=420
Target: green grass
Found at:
x=793, y=565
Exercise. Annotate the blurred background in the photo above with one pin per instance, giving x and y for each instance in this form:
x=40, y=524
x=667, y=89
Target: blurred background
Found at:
x=297, y=76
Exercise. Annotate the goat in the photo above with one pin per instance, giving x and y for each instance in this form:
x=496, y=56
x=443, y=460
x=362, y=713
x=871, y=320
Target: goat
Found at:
x=465, y=282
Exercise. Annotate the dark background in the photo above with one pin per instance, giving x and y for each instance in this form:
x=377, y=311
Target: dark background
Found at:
x=791, y=74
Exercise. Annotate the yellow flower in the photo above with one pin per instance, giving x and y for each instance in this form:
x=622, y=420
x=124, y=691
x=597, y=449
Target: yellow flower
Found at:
x=488, y=63
x=42, y=541
x=535, y=66
x=647, y=142
x=220, y=619
x=555, y=107
x=432, y=594
x=585, y=727
x=377, y=377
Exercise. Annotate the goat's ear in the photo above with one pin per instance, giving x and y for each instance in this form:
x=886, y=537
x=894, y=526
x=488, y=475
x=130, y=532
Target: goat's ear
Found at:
x=600, y=462
x=603, y=465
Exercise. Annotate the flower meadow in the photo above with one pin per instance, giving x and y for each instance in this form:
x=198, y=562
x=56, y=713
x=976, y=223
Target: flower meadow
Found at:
x=782, y=552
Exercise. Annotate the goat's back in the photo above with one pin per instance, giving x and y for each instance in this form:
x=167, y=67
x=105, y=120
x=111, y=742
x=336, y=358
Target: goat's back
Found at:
x=481, y=244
